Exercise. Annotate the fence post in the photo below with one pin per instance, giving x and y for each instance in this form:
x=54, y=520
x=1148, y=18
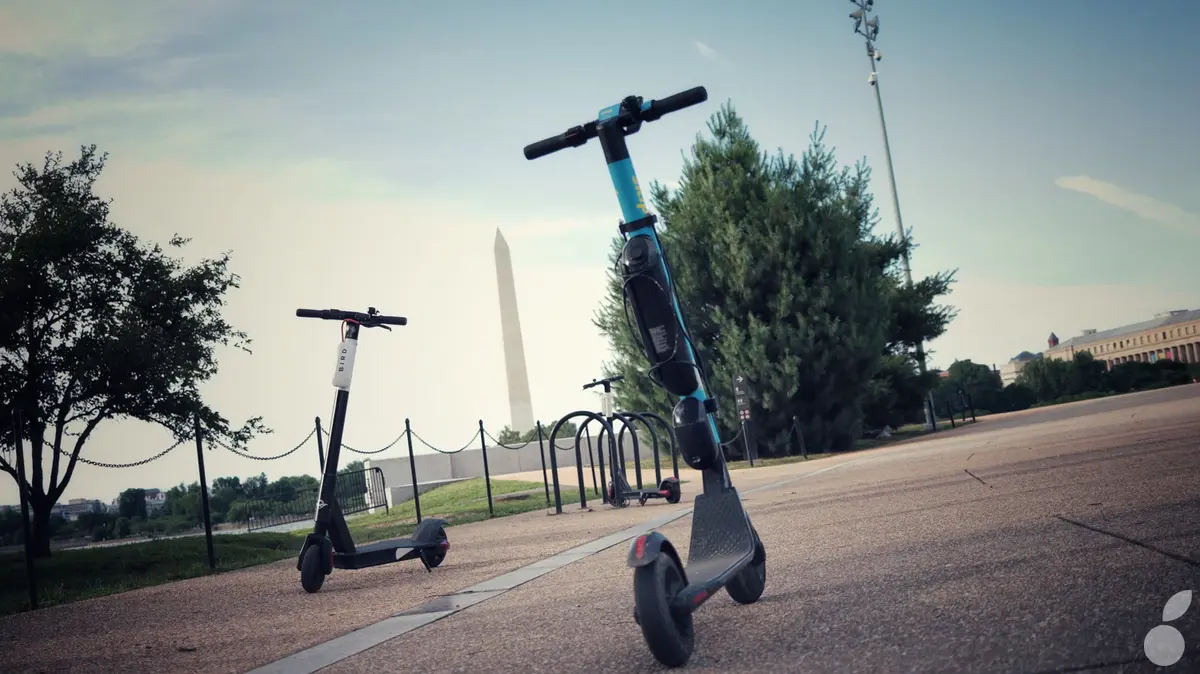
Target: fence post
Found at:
x=746, y=441
x=971, y=404
x=412, y=469
x=950, y=414
x=800, y=436
x=26, y=530
x=208, y=539
x=487, y=475
x=320, y=443
x=542, y=454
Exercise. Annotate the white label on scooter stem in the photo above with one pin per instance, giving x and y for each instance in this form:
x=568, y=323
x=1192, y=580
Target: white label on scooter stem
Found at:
x=607, y=404
x=345, y=364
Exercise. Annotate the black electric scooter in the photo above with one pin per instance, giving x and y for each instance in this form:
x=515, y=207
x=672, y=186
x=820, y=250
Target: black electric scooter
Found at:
x=725, y=549
x=619, y=490
x=330, y=545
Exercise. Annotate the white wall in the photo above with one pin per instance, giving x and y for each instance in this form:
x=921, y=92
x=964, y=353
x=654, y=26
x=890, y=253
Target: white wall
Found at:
x=433, y=470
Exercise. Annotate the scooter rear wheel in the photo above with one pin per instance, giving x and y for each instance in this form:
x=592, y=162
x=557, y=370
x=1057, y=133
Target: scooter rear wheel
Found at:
x=668, y=635
x=434, y=556
x=312, y=576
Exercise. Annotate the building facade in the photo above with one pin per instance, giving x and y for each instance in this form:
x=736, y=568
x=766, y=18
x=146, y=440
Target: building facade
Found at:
x=1173, y=335
x=1012, y=369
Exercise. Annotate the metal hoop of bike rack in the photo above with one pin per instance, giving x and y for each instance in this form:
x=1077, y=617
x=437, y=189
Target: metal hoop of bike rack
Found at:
x=579, y=433
x=591, y=416
x=671, y=437
x=637, y=457
x=615, y=449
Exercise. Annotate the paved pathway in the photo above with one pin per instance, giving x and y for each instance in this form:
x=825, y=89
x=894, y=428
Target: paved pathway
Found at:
x=1048, y=542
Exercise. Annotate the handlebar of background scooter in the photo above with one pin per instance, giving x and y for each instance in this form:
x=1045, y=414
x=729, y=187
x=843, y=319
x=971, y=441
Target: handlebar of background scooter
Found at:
x=367, y=320
x=602, y=382
x=653, y=111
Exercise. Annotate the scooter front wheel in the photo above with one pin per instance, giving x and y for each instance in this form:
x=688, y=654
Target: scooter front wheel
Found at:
x=748, y=585
x=668, y=635
x=312, y=576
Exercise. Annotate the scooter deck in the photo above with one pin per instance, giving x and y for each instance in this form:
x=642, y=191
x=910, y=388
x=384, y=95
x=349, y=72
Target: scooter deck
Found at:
x=722, y=544
x=380, y=552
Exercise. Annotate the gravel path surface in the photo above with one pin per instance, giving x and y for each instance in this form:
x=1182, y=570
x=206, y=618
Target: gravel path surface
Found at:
x=236, y=621
x=904, y=562
x=896, y=559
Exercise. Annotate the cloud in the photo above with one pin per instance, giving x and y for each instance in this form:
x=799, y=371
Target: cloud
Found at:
x=707, y=52
x=1139, y=204
x=47, y=28
x=998, y=318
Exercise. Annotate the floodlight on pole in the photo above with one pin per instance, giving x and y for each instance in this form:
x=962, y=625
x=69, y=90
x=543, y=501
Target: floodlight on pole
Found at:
x=870, y=33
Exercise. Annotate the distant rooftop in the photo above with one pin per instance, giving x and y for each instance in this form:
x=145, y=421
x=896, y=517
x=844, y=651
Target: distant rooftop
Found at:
x=1161, y=320
x=1024, y=355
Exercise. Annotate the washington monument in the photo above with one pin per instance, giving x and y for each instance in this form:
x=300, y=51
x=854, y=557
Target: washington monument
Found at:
x=514, y=347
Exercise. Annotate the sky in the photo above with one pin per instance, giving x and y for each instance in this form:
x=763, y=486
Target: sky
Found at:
x=364, y=154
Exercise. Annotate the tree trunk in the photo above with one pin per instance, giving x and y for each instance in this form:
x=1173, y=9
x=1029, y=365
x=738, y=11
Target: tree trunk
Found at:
x=41, y=527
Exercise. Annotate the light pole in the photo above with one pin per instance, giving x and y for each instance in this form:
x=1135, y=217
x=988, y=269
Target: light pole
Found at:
x=868, y=27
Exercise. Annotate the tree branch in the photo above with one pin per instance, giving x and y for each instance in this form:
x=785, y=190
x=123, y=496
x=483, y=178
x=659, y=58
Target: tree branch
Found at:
x=8, y=468
x=57, y=489
x=60, y=424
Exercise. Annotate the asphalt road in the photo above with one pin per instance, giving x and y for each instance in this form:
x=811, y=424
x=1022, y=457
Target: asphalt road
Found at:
x=1042, y=542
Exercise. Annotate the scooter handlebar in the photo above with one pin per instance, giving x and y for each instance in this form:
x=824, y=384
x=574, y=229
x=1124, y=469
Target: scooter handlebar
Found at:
x=572, y=137
x=674, y=103
x=578, y=135
x=368, y=319
x=602, y=382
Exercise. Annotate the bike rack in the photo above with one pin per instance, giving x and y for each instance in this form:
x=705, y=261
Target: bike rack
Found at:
x=626, y=420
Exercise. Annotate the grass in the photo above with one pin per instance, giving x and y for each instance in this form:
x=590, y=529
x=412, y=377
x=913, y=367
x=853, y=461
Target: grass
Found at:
x=457, y=503
x=73, y=575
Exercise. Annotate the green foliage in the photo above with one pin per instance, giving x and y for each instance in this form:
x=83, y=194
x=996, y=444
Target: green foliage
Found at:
x=96, y=325
x=1052, y=381
x=132, y=503
x=1014, y=397
x=972, y=385
x=781, y=279
x=508, y=436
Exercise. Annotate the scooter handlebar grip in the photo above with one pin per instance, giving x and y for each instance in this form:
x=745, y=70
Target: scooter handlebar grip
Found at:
x=391, y=320
x=679, y=101
x=546, y=146
x=310, y=313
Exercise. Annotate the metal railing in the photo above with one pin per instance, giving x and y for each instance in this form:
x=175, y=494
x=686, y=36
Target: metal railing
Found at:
x=356, y=491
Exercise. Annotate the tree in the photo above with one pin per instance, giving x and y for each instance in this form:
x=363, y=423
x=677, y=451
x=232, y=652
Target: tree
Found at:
x=97, y=326
x=131, y=504
x=780, y=279
x=980, y=382
x=356, y=479
x=508, y=436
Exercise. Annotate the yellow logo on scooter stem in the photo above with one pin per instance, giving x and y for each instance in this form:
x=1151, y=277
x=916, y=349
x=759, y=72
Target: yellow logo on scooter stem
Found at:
x=641, y=201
